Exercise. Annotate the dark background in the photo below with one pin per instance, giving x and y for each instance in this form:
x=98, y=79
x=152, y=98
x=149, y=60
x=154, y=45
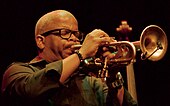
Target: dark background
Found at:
x=18, y=18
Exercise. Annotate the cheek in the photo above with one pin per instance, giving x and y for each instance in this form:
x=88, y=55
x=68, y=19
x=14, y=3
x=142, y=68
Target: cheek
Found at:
x=54, y=44
x=65, y=49
x=59, y=46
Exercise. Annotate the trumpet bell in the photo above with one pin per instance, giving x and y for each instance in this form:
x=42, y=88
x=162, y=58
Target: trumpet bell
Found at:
x=153, y=42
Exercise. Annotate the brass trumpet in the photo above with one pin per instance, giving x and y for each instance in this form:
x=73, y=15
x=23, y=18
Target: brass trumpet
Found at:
x=153, y=44
x=123, y=52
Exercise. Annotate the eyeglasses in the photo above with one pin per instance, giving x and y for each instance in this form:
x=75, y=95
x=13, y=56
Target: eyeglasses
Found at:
x=65, y=33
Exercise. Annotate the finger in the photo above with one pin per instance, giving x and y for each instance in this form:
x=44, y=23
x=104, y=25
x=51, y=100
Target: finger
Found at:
x=103, y=41
x=105, y=49
x=104, y=33
x=105, y=54
x=112, y=39
x=99, y=33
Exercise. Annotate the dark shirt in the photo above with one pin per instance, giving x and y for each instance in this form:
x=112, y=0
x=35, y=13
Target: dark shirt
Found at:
x=37, y=84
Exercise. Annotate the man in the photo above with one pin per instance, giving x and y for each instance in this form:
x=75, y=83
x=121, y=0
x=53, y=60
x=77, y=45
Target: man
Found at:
x=52, y=77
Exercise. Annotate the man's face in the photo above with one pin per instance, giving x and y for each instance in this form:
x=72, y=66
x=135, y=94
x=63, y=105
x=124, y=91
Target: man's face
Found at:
x=59, y=46
x=56, y=45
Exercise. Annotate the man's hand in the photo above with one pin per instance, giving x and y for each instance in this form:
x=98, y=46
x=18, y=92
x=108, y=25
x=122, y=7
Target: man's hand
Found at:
x=93, y=41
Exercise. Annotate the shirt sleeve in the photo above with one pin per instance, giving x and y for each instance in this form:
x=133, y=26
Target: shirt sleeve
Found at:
x=29, y=81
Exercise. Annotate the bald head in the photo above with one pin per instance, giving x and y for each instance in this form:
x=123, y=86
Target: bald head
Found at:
x=55, y=20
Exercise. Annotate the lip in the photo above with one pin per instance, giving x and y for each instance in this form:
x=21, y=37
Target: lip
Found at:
x=69, y=51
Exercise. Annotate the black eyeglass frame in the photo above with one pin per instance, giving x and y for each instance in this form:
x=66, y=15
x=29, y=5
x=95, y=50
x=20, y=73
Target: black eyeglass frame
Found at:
x=57, y=32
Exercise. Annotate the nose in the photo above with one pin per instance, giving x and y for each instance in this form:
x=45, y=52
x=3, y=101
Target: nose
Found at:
x=73, y=38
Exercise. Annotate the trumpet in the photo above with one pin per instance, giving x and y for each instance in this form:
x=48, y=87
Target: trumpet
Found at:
x=123, y=52
x=153, y=44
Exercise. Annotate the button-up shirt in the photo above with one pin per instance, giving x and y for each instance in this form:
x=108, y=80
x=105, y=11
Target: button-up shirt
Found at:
x=37, y=84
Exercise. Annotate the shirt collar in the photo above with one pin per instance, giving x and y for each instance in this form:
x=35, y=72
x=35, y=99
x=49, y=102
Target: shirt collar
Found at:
x=37, y=59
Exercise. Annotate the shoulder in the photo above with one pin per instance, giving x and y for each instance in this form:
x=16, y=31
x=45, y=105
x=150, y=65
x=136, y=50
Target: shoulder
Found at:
x=19, y=64
x=14, y=71
x=16, y=65
x=16, y=68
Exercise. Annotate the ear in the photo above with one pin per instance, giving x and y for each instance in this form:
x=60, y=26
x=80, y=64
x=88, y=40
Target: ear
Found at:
x=40, y=41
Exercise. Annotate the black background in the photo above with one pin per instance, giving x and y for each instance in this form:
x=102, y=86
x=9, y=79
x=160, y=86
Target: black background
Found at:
x=18, y=18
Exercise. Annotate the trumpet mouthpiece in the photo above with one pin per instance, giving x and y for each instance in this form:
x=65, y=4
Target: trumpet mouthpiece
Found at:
x=75, y=47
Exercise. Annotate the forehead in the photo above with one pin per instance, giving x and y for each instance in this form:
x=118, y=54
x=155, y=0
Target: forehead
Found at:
x=67, y=22
x=56, y=20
